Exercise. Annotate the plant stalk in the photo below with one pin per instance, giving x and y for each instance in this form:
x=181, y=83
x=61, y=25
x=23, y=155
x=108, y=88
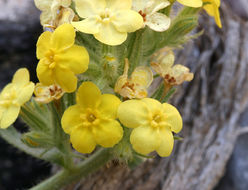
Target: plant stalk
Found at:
x=83, y=169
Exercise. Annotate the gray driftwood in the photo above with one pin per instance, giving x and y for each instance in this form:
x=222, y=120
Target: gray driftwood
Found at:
x=211, y=106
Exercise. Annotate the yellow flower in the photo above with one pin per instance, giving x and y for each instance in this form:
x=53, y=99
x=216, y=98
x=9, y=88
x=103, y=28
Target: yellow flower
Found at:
x=92, y=120
x=46, y=94
x=54, y=12
x=13, y=96
x=108, y=20
x=60, y=59
x=172, y=75
x=148, y=9
x=136, y=86
x=211, y=7
x=153, y=125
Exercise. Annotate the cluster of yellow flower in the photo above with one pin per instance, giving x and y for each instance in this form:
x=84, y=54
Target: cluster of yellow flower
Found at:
x=98, y=119
x=110, y=20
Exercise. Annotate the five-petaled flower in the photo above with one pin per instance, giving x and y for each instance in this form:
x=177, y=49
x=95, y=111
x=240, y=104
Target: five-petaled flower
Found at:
x=172, y=75
x=148, y=9
x=108, y=20
x=135, y=86
x=92, y=120
x=60, y=59
x=13, y=96
x=152, y=123
x=211, y=7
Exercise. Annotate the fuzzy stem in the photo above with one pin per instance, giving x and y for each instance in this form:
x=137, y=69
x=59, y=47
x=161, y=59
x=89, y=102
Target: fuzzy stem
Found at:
x=135, y=50
x=65, y=177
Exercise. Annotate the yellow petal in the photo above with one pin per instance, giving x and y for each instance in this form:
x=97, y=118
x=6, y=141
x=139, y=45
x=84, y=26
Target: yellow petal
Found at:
x=145, y=139
x=66, y=15
x=166, y=144
x=109, y=105
x=109, y=35
x=88, y=95
x=43, y=44
x=216, y=2
x=122, y=80
x=89, y=25
x=107, y=133
x=65, y=3
x=82, y=140
x=25, y=93
x=164, y=63
x=71, y=118
x=63, y=37
x=43, y=4
x=21, y=77
x=127, y=21
x=213, y=10
x=133, y=113
x=142, y=76
x=191, y=3
x=119, y=4
x=44, y=74
x=181, y=74
x=86, y=8
x=9, y=115
x=167, y=61
x=75, y=58
x=173, y=117
x=55, y=8
x=8, y=88
x=158, y=22
x=155, y=6
x=66, y=79
x=46, y=17
x=153, y=105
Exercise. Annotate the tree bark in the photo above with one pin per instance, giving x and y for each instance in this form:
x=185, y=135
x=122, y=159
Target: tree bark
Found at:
x=211, y=106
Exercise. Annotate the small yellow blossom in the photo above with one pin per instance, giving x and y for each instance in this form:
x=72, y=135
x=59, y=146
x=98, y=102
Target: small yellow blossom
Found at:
x=135, y=86
x=148, y=9
x=92, y=120
x=172, y=75
x=46, y=94
x=153, y=125
x=108, y=20
x=54, y=12
x=13, y=96
x=211, y=7
x=60, y=59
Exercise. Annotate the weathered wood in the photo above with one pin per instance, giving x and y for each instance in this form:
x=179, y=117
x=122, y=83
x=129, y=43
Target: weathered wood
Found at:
x=210, y=105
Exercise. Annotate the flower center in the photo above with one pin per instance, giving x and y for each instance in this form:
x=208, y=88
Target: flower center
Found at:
x=156, y=120
x=50, y=55
x=170, y=79
x=106, y=15
x=91, y=117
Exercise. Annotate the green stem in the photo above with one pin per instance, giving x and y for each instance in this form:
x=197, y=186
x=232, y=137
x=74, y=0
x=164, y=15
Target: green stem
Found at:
x=84, y=168
x=14, y=138
x=135, y=50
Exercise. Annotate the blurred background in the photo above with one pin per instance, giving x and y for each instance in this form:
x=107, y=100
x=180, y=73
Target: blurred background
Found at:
x=222, y=58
